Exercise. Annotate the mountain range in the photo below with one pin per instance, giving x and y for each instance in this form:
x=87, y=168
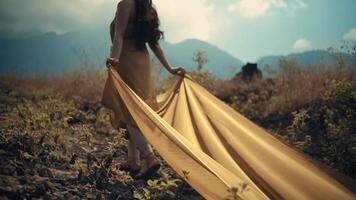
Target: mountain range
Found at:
x=52, y=53
x=305, y=59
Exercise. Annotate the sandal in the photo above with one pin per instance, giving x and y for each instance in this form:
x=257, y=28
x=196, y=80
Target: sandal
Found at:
x=130, y=166
x=150, y=167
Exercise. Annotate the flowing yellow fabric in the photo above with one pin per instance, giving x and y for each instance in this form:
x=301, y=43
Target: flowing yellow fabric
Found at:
x=215, y=149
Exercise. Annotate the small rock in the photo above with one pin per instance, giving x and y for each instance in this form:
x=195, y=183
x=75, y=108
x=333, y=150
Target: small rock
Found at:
x=44, y=171
x=40, y=190
x=8, y=169
x=68, y=196
x=9, y=184
x=49, y=186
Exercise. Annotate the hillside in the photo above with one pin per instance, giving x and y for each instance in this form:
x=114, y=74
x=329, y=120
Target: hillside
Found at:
x=220, y=63
x=307, y=58
x=51, y=53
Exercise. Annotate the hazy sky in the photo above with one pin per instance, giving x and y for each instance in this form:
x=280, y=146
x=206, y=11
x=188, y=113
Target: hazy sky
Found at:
x=248, y=29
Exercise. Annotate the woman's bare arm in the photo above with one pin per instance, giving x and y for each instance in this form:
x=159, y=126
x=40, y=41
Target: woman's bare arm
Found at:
x=157, y=50
x=112, y=30
x=124, y=10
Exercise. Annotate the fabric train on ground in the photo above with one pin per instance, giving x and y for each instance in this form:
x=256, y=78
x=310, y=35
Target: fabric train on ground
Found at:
x=215, y=149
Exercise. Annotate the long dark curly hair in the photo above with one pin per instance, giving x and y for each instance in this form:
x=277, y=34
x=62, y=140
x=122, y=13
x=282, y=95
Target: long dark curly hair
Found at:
x=146, y=24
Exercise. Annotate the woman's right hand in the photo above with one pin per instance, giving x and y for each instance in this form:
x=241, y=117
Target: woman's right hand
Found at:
x=111, y=62
x=177, y=71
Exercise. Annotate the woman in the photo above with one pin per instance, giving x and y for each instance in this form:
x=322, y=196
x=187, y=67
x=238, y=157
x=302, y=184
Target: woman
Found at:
x=135, y=24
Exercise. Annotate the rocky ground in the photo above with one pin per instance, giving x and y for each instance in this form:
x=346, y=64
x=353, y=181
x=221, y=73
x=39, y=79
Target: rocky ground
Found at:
x=55, y=148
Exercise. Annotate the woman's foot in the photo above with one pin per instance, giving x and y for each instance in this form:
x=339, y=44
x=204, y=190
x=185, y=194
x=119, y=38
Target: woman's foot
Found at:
x=130, y=166
x=150, y=166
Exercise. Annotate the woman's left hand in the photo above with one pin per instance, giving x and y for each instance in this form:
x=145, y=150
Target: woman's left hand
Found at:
x=112, y=62
x=178, y=71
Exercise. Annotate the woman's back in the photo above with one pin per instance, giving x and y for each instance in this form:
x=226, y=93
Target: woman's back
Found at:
x=129, y=6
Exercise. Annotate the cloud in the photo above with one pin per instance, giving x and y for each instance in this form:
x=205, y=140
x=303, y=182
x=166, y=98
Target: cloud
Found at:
x=351, y=35
x=302, y=44
x=301, y=3
x=251, y=9
x=59, y=16
x=255, y=8
x=187, y=19
x=180, y=20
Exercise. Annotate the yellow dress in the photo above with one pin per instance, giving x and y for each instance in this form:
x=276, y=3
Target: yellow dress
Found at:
x=135, y=68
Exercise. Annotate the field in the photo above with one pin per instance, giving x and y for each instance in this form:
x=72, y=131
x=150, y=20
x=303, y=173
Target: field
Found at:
x=56, y=140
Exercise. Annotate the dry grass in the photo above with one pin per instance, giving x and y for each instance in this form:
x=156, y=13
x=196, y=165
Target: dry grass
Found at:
x=297, y=86
x=294, y=85
x=86, y=84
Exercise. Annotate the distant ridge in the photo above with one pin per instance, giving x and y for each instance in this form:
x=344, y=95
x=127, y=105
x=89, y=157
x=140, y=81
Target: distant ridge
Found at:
x=220, y=63
x=51, y=53
x=306, y=59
